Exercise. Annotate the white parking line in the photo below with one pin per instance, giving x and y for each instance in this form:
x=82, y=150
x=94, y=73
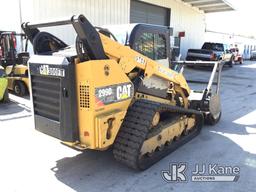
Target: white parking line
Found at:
x=25, y=102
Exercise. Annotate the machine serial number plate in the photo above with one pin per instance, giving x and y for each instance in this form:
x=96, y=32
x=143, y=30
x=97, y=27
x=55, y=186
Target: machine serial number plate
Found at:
x=114, y=93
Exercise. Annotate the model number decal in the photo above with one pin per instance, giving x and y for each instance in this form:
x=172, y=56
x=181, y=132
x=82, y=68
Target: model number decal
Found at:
x=105, y=92
x=140, y=60
x=51, y=71
x=114, y=93
x=165, y=72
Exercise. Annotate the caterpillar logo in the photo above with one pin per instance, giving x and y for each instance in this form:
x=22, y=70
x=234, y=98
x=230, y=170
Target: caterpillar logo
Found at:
x=123, y=92
x=50, y=71
x=43, y=69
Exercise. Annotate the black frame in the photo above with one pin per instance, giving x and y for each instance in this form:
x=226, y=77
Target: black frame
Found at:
x=66, y=129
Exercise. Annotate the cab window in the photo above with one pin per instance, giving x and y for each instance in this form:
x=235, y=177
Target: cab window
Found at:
x=152, y=45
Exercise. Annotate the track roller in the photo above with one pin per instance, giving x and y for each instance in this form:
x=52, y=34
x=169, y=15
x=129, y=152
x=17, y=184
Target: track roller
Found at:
x=152, y=130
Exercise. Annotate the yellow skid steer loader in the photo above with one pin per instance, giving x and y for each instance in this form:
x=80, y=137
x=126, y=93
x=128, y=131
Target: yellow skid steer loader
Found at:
x=102, y=93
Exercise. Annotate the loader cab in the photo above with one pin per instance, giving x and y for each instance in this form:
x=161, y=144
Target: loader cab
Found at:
x=152, y=41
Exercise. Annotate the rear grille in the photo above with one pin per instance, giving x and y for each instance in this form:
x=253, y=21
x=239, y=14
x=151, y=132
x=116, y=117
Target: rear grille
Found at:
x=84, y=96
x=46, y=96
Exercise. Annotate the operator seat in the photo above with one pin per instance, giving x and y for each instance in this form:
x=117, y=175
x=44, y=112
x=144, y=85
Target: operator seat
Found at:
x=45, y=43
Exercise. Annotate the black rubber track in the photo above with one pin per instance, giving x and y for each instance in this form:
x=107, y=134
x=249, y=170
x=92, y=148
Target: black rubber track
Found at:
x=136, y=127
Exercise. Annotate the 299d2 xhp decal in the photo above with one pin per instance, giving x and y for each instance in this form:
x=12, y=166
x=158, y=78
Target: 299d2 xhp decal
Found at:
x=114, y=93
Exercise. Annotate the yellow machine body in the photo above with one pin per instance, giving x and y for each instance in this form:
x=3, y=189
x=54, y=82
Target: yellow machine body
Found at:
x=93, y=116
x=99, y=123
x=101, y=93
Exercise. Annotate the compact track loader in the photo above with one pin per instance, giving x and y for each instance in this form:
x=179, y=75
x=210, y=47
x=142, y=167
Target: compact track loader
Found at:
x=15, y=63
x=102, y=93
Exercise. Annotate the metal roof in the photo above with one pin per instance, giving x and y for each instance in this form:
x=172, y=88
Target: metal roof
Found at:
x=210, y=6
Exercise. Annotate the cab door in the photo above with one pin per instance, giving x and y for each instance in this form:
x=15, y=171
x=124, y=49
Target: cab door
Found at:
x=153, y=42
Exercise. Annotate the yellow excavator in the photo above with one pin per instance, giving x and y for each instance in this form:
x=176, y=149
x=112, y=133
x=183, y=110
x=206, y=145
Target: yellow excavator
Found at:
x=110, y=90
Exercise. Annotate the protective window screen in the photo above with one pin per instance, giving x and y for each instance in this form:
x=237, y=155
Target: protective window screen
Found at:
x=152, y=45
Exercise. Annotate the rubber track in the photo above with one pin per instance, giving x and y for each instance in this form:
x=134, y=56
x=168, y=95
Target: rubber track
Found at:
x=135, y=129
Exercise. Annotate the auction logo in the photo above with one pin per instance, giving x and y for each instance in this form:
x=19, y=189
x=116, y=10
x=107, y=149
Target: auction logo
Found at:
x=176, y=173
x=201, y=173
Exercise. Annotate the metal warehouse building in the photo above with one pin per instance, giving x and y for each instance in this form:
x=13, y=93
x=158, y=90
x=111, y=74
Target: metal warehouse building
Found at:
x=187, y=17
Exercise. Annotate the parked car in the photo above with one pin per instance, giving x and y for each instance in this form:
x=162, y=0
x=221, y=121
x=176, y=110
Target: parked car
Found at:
x=238, y=57
x=212, y=52
x=253, y=55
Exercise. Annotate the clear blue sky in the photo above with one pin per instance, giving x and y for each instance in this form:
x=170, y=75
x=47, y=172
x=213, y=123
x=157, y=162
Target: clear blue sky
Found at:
x=241, y=21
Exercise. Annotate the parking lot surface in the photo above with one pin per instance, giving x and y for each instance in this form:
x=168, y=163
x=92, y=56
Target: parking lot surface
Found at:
x=32, y=161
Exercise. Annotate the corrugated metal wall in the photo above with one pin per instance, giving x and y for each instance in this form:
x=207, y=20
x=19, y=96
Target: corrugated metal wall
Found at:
x=147, y=13
x=99, y=12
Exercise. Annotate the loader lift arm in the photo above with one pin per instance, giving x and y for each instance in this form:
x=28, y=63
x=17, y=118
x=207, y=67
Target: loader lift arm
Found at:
x=100, y=47
x=85, y=31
